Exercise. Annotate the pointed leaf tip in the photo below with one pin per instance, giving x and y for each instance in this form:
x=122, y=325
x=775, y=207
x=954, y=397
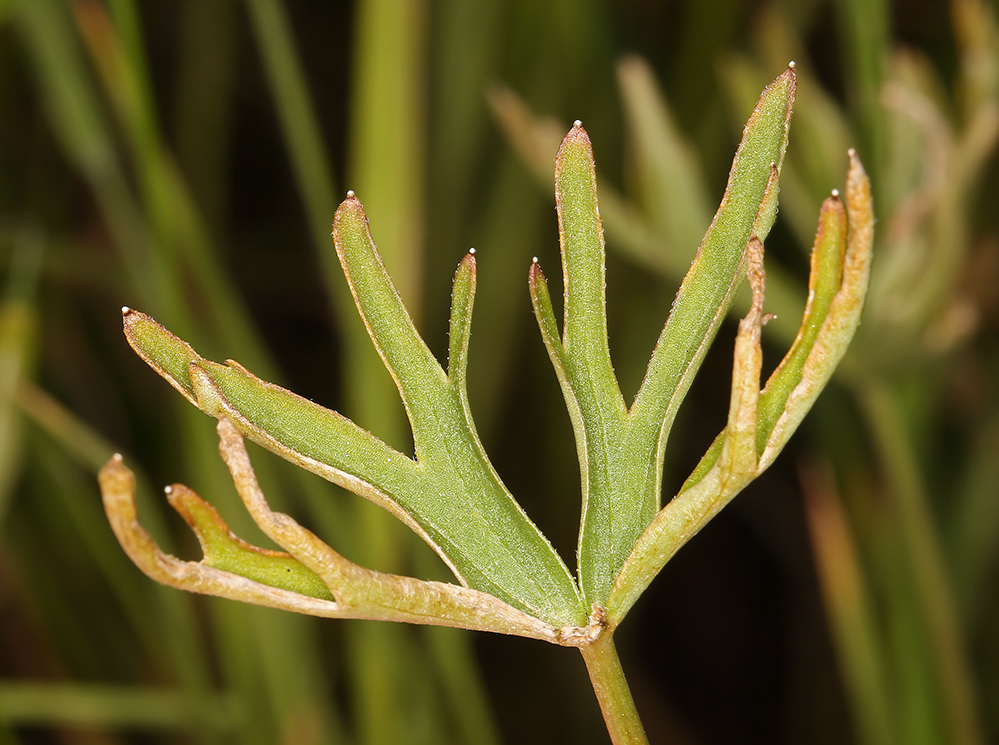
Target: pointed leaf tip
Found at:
x=467, y=264
x=166, y=353
x=534, y=274
x=576, y=135
x=349, y=216
x=350, y=209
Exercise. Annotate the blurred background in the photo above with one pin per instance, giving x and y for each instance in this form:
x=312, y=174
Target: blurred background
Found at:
x=185, y=158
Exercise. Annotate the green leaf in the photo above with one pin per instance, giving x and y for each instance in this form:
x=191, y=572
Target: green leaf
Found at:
x=824, y=282
x=225, y=551
x=462, y=296
x=748, y=207
x=418, y=376
x=541, y=300
x=450, y=494
x=621, y=452
x=760, y=424
x=845, y=274
x=590, y=386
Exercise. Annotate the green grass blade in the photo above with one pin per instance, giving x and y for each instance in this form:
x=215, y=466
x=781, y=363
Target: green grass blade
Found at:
x=113, y=707
x=670, y=183
x=299, y=124
x=973, y=529
x=179, y=238
x=467, y=699
x=162, y=621
x=865, y=26
x=926, y=564
x=18, y=339
x=203, y=104
x=71, y=100
x=850, y=611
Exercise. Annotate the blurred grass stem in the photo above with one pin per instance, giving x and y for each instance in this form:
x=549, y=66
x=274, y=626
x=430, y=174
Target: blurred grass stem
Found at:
x=113, y=707
x=929, y=571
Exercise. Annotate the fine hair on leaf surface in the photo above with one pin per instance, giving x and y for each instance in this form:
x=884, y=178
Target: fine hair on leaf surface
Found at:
x=510, y=579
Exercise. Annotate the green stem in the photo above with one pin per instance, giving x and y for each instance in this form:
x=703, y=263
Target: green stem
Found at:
x=613, y=694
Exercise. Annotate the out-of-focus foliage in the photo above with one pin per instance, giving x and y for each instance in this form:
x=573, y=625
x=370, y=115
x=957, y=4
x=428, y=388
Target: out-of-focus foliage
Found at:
x=186, y=158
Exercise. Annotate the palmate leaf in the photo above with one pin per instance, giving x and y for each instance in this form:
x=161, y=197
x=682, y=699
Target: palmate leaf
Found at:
x=449, y=493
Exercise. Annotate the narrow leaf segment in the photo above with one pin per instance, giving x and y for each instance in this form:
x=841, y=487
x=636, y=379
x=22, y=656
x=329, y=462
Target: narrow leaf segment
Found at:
x=620, y=450
x=760, y=423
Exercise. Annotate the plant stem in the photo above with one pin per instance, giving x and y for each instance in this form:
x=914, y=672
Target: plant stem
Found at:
x=613, y=694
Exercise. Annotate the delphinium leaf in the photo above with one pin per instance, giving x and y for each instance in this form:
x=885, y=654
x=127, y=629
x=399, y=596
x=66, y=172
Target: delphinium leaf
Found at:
x=586, y=358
